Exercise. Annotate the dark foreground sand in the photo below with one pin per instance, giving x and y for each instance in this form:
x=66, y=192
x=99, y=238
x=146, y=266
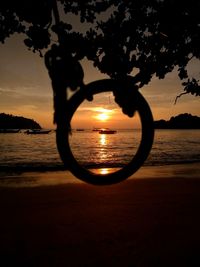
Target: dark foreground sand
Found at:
x=152, y=220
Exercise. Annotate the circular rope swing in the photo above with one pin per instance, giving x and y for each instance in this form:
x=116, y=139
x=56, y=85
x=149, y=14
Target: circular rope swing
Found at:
x=147, y=128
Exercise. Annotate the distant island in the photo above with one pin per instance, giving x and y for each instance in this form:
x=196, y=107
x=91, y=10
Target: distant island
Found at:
x=8, y=121
x=181, y=121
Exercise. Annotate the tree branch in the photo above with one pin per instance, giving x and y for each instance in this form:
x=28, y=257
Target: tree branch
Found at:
x=179, y=97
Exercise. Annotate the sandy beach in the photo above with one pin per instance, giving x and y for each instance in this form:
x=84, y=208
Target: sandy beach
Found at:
x=53, y=219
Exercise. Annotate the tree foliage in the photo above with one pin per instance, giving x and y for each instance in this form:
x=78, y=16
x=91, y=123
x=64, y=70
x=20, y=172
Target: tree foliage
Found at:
x=120, y=36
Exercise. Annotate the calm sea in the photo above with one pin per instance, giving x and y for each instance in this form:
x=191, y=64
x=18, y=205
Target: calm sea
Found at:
x=22, y=152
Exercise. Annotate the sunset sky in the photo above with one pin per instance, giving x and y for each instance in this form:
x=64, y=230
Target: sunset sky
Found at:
x=25, y=90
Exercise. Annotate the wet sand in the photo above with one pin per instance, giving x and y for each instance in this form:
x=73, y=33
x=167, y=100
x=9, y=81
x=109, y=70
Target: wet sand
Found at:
x=152, y=219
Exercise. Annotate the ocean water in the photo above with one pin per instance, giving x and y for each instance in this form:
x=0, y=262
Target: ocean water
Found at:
x=22, y=152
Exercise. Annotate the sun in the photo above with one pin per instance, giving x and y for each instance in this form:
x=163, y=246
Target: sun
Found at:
x=103, y=114
x=102, y=117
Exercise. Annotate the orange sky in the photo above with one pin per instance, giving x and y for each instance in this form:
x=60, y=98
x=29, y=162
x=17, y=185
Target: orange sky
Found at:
x=25, y=90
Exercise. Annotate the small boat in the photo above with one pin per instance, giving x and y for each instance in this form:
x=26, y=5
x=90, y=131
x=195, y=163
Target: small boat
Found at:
x=96, y=129
x=9, y=130
x=38, y=131
x=107, y=131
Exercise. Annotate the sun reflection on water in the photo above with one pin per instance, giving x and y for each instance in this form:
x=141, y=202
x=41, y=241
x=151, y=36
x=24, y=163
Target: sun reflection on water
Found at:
x=104, y=171
x=103, y=149
x=103, y=140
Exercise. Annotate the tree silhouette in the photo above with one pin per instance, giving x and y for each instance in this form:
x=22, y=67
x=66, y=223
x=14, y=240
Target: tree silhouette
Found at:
x=146, y=37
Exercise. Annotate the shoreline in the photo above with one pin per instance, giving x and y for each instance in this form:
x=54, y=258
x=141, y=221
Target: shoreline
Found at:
x=64, y=177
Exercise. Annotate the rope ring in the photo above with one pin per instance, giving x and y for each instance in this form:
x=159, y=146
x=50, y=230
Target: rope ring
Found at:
x=147, y=127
